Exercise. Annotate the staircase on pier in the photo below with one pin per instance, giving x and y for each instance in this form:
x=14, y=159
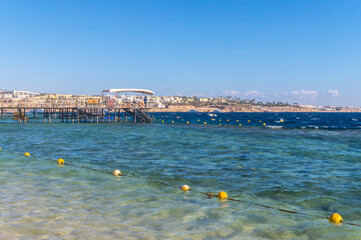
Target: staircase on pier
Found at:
x=137, y=113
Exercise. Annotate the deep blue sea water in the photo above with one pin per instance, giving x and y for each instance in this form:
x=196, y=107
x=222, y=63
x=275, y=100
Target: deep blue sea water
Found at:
x=309, y=163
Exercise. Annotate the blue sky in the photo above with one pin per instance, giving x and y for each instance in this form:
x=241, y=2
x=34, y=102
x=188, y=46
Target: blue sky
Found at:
x=297, y=51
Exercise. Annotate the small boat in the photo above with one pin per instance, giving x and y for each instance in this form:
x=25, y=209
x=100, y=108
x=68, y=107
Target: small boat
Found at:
x=214, y=113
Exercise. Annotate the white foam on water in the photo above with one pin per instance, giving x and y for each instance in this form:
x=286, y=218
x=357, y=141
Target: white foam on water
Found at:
x=275, y=127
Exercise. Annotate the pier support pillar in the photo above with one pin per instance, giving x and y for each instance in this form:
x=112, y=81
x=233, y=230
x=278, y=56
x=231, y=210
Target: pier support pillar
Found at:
x=49, y=115
x=25, y=115
x=97, y=111
x=19, y=111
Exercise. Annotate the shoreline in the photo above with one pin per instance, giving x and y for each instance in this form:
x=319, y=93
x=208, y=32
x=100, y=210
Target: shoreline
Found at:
x=247, y=109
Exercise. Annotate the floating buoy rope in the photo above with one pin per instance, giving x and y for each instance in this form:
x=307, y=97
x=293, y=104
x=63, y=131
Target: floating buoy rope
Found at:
x=185, y=188
x=60, y=161
x=334, y=218
x=205, y=123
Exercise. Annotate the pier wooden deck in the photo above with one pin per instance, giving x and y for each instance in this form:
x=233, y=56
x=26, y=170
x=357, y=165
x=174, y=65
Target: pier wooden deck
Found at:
x=94, y=114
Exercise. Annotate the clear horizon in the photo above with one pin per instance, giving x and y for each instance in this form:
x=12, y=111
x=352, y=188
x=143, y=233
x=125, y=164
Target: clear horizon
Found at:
x=287, y=51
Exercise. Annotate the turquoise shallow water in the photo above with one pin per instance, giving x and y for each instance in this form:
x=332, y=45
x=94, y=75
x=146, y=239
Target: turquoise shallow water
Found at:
x=307, y=170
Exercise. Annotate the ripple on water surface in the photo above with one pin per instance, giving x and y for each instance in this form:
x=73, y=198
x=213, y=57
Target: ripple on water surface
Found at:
x=308, y=171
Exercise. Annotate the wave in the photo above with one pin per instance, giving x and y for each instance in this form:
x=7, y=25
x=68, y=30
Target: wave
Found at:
x=275, y=127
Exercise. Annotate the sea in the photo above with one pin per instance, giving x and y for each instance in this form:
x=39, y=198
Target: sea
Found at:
x=306, y=163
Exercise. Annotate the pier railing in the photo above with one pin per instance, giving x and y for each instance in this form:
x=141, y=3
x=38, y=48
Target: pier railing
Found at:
x=73, y=103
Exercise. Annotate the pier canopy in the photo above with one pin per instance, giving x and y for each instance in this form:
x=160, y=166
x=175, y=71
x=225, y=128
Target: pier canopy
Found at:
x=121, y=90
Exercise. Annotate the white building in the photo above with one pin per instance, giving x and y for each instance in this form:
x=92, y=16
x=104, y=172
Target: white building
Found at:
x=17, y=94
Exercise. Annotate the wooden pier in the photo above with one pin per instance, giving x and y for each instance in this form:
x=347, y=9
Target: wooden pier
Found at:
x=109, y=108
x=77, y=114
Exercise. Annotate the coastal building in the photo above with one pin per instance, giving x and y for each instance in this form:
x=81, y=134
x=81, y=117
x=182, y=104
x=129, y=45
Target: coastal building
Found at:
x=17, y=94
x=203, y=99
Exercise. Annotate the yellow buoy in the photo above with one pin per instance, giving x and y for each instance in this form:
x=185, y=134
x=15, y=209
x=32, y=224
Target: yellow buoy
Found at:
x=116, y=172
x=185, y=188
x=60, y=161
x=227, y=120
x=198, y=120
x=172, y=121
x=220, y=120
x=240, y=124
x=264, y=124
x=27, y=154
x=162, y=121
x=188, y=122
x=0, y=149
x=220, y=124
x=205, y=123
x=260, y=121
x=249, y=121
x=335, y=218
x=237, y=120
x=222, y=195
x=281, y=120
